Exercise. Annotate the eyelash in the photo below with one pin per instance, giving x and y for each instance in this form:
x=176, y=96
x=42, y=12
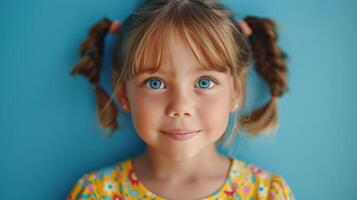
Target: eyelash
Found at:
x=215, y=82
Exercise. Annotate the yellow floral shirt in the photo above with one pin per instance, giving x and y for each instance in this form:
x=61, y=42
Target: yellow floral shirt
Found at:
x=119, y=182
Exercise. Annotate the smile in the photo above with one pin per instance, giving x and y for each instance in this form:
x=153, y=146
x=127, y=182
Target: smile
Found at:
x=181, y=135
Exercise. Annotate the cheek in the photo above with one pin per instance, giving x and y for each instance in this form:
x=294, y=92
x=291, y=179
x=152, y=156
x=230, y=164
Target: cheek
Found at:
x=144, y=114
x=214, y=112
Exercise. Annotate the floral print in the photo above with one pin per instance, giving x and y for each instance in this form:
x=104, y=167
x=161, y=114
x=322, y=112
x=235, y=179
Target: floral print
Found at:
x=119, y=182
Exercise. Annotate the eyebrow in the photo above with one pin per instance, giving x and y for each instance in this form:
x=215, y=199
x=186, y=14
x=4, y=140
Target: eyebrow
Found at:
x=152, y=71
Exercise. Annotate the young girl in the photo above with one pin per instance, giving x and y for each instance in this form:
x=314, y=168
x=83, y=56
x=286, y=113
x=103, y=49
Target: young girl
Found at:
x=179, y=69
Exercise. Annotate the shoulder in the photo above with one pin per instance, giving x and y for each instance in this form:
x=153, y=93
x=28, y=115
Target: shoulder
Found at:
x=104, y=183
x=255, y=181
x=279, y=188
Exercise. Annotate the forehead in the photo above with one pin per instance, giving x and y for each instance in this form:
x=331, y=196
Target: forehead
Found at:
x=170, y=46
x=177, y=56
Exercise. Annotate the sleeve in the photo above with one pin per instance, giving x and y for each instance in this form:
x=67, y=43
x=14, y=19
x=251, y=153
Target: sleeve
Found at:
x=279, y=189
x=83, y=189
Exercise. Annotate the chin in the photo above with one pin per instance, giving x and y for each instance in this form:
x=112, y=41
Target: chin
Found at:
x=181, y=156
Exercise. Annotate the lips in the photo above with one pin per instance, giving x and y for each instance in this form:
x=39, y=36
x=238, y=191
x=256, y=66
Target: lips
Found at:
x=180, y=131
x=181, y=134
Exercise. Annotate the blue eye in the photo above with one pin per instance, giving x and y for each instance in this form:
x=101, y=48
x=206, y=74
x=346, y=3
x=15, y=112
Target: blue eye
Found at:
x=154, y=83
x=205, y=83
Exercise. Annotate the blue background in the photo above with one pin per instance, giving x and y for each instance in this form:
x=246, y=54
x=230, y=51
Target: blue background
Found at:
x=49, y=136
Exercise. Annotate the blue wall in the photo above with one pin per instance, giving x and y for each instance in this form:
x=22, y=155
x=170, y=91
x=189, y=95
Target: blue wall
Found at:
x=48, y=132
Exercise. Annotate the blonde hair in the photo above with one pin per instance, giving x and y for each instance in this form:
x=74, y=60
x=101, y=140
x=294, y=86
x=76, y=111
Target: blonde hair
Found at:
x=215, y=39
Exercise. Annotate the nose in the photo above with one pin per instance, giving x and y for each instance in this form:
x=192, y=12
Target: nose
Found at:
x=180, y=104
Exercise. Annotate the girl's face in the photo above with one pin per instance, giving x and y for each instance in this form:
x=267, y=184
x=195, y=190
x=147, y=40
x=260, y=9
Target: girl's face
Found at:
x=181, y=95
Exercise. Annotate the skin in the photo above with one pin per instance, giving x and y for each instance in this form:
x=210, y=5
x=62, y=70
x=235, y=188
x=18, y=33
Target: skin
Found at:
x=181, y=102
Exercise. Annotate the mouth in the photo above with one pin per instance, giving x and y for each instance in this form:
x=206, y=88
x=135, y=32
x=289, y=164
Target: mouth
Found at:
x=181, y=135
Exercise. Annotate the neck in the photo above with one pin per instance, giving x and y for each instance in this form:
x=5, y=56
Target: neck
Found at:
x=153, y=164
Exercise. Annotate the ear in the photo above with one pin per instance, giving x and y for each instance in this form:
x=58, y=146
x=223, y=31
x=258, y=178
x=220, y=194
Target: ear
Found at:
x=237, y=97
x=120, y=92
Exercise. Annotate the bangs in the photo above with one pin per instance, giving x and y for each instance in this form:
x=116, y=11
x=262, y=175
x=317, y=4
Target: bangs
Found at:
x=212, y=44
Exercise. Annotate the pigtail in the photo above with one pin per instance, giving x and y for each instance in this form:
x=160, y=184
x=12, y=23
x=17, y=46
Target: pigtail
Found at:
x=270, y=65
x=90, y=65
